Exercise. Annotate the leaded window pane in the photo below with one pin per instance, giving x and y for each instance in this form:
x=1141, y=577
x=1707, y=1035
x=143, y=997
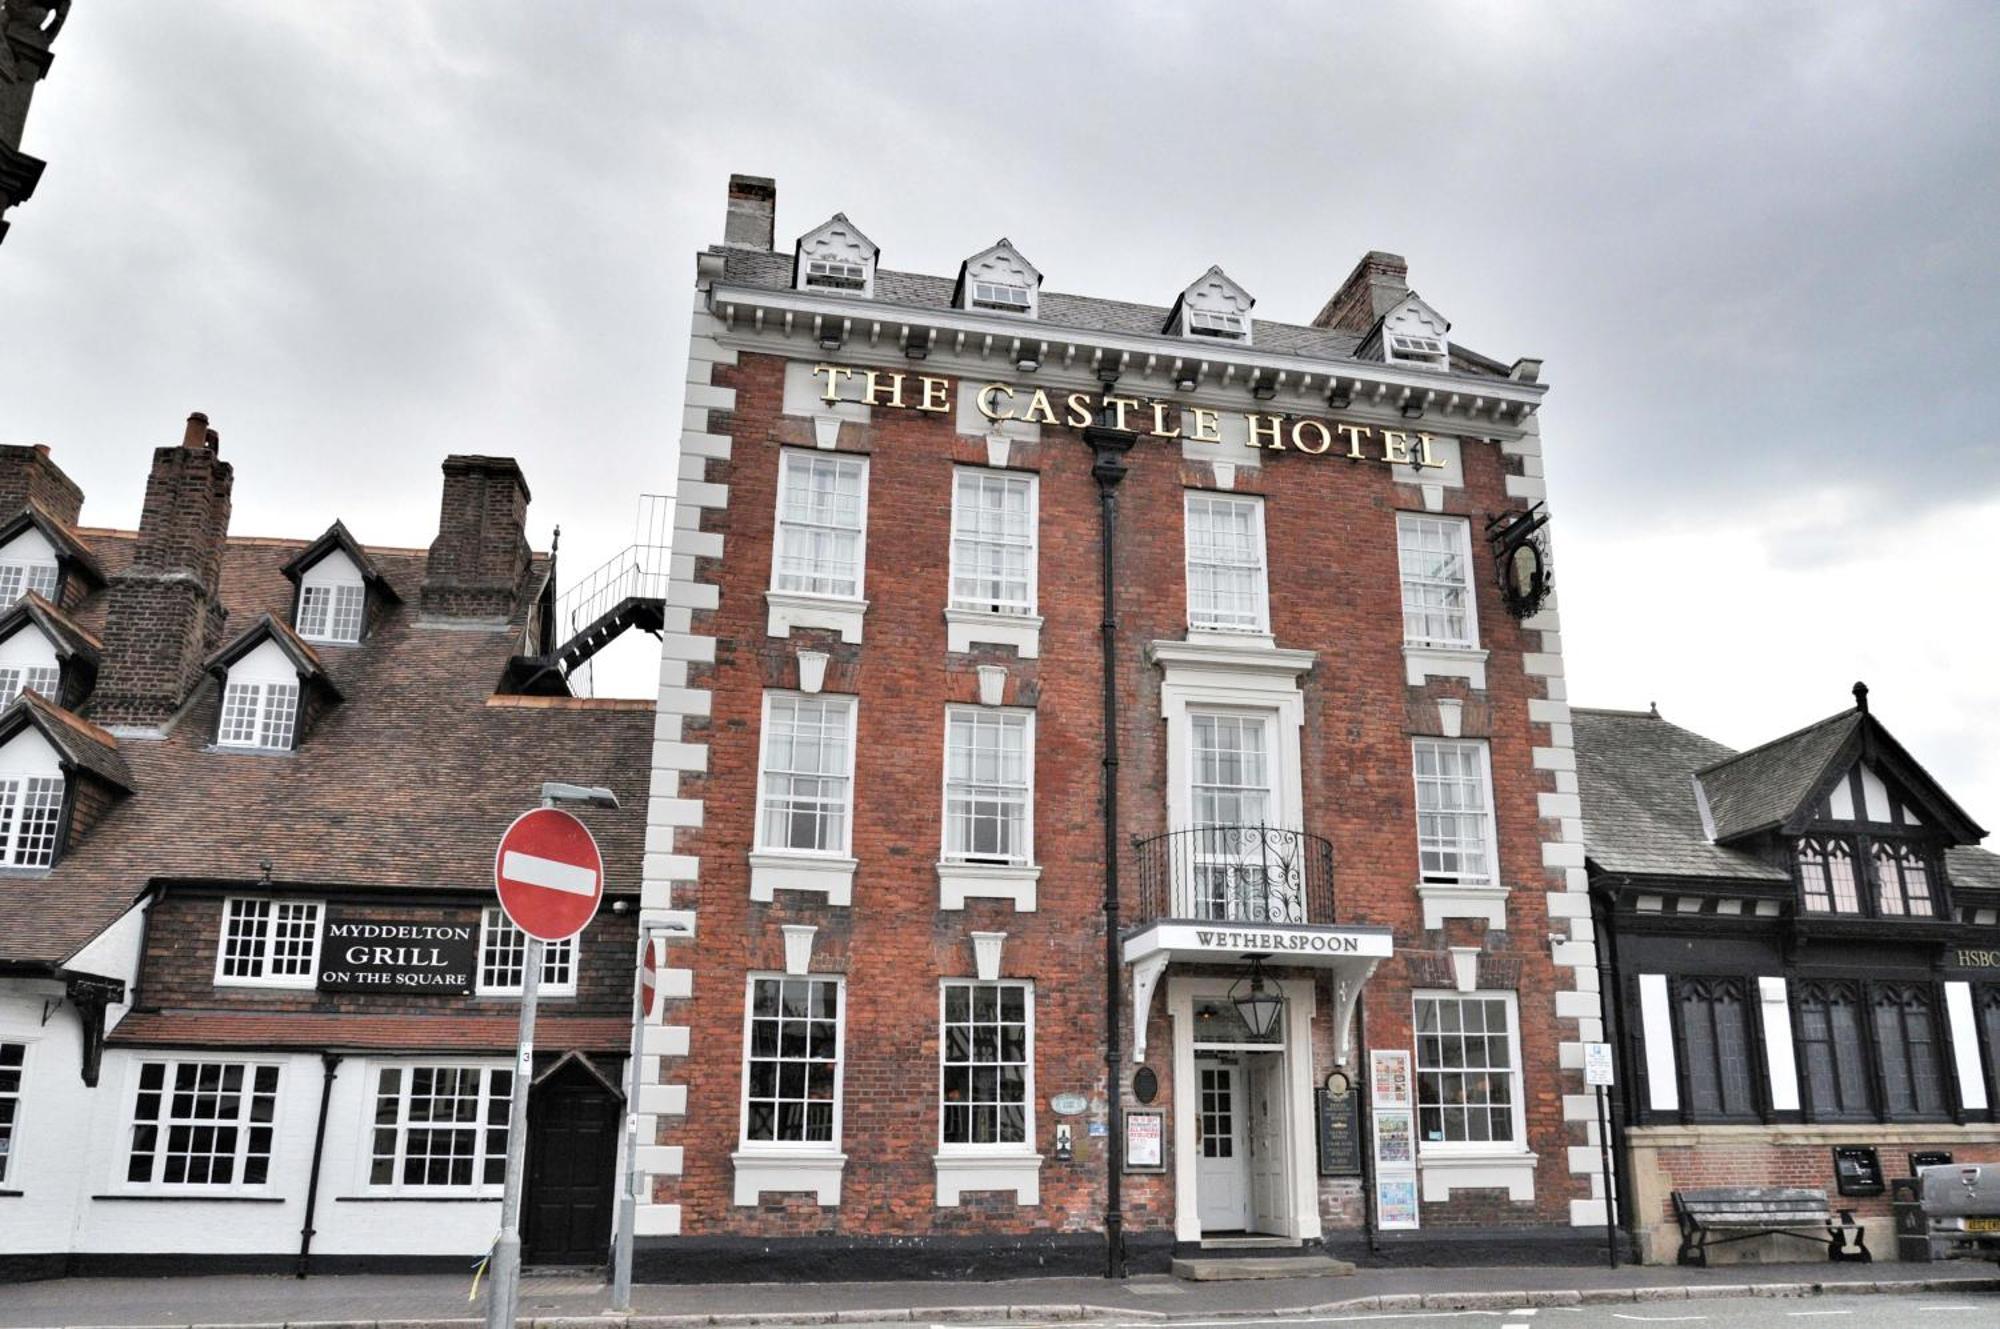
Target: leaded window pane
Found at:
x=1715, y=1037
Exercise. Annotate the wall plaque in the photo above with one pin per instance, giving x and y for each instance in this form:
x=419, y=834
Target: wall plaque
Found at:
x=1068, y=1105
x=358, y=953
x=1339, y=1119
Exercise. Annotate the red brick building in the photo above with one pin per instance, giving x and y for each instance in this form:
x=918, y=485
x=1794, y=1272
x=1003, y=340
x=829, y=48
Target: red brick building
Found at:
x=1354, y=960
x=257, y=1009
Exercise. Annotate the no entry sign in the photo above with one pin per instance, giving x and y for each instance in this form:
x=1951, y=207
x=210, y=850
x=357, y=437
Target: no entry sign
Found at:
x=549, y=874
x=649, y=978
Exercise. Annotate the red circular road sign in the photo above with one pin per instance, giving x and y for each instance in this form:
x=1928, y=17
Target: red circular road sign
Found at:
x=649, y=979
x=549, y=874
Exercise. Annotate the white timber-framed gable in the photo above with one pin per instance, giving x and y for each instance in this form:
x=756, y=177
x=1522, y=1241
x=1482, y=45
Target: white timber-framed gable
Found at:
x=28, y=663
x=33, y=784
x=998, y=279
x=1413, y=333
x=28, y=563
x=260, y=701
x=1213, y=308
x=835, y=256
x=333, y=600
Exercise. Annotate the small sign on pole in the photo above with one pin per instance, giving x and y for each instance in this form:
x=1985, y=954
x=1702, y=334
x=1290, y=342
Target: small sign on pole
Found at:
x=1597, y=1064
x=1597, y=1073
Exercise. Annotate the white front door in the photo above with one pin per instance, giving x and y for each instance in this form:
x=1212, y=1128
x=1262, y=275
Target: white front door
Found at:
x=1222, y=1174
x=1270, y=1203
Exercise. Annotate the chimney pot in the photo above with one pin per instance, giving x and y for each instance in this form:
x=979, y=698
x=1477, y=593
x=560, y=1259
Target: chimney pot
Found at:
x=213, y=439
x=752, y=219
x=196, y=432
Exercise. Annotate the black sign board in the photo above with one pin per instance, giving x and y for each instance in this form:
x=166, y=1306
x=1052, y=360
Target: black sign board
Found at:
x=1857, y=1170
x=358, y=953
x=1339, y=1136
x=1924, y=1158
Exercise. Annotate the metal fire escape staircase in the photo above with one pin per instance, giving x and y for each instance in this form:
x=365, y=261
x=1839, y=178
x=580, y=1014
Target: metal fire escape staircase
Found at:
x=628, y=591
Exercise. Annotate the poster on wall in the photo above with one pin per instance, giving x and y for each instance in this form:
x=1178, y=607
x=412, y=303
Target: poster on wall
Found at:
x=1390, y=1074
x=1395, y=1141
x=1145, y=1142
x=1396, y=1203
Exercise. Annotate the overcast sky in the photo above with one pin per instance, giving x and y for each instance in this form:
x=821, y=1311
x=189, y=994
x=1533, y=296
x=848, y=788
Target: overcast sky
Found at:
x=1753, y=243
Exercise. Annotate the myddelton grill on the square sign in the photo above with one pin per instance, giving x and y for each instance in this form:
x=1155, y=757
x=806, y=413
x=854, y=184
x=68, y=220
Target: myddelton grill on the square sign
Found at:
x=550, y=878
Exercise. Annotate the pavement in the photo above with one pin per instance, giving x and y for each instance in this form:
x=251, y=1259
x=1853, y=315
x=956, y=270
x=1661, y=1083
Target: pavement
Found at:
x=1937, y=1296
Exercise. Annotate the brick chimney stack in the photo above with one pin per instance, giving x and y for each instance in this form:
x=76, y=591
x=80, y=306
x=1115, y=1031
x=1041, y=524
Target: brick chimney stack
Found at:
x=29, y=475
x=753, y=212
x=163, y=615
x=1377, y=285
x=479, y=562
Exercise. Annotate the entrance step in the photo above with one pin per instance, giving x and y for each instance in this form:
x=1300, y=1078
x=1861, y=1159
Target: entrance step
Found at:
x=1211, y=1269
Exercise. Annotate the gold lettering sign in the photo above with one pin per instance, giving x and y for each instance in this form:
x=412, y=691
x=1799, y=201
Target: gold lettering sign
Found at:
x=1157, y=419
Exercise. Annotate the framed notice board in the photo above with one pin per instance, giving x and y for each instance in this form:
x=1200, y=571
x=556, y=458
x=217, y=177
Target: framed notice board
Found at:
x=1338, y=1117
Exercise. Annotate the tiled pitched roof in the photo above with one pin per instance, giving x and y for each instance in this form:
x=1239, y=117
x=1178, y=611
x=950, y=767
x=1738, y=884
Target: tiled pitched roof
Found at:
x=1971, y=866
x=81, y=743
x=337, y=536
x=1755, y=790
x=297, y=648
x=317, y=1030
x=407, y=785
x=69, y=542
x=773, y=271
x=1635, y=773
x=65, y=633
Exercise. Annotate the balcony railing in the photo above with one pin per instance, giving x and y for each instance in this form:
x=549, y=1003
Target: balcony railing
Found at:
x=1236, y=874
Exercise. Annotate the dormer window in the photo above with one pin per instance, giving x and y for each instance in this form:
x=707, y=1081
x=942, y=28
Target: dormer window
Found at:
x=258, y=715
x=1001, y=296
x=998, y=279
x=18, y=577
x=1214, y=323
x=834, y=274
x=331, y=610
x=16, y=679
x=1214, y=308
x=1415, y=350
x=30, y=816
x=835, y=256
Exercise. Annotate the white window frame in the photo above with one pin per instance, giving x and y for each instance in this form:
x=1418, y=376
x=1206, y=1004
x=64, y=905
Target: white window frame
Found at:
x=372, y=1093
x=324, y=604
x=265, y=979
x=1448, y=1148
x=15, y=789
x=122, y=1160
x=263, y=713
x=795, y=1148
x=1261, y=620
x=852, y=705
x=1405, y=348
x=1492, y=879
x=1215, y=324
x=837, y=270
x=18, y=678
x=984, y=293
x=567, y=953
x=1032, y=482
x=1462, y=532
x=1006, y=715
x=787, y=459
x=10, y=1131
x=18, y=576
x=1009, y=1148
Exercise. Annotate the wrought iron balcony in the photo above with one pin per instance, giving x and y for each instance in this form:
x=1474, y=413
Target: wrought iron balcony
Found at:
x=1236, y=874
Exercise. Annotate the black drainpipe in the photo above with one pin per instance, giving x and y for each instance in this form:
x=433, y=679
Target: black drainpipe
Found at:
x=1110, y=446
x=331, y=1061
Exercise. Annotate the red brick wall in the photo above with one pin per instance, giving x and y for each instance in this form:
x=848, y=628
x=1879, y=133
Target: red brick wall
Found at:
x=1334, y=588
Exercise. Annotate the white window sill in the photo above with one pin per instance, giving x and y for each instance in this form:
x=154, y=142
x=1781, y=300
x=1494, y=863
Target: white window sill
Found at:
x=791, y=609
x=1507, y=1168
x=965, y=628
x=1442, y=900
x=959, y=882
x=1255, y=639
x=831, y=875
x=958, y=1174
x=759, y=1174
x=1466, y=662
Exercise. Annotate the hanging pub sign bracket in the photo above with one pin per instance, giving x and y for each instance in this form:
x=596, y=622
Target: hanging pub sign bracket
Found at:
x=1520, y=545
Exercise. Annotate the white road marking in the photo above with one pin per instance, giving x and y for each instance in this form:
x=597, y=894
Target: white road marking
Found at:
x=1377, y=1318
x=549, y=873
x=1947, y=1308
x=1796, y=1314
x=1657, y=1319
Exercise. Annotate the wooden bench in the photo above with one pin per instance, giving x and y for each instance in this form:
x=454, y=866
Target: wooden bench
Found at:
x=1743, y=1212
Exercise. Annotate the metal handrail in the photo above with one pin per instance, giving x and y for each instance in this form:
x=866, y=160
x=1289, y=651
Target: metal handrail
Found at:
x=1251, y=874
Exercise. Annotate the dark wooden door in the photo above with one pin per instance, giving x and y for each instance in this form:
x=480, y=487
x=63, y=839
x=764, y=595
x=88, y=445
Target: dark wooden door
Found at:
x=573, y=1120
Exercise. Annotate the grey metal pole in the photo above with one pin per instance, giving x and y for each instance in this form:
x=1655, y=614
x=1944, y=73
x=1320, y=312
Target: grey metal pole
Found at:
x=504, y=1300
x=1610, y=1200
x=628, y=1203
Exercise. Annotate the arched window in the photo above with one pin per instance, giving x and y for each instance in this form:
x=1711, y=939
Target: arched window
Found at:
x=1903, y=880
x=1716, y=1048
x=1833, y=1052
x=1906, y=1040
x=1826, y=875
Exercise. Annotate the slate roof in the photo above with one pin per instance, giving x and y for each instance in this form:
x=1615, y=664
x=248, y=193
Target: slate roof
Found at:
x=1635, y=773
x=407, y=784
x=1761, y=788
x=774, y=271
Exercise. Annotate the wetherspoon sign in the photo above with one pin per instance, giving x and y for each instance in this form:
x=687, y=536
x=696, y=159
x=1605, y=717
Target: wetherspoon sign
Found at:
x=1265, y=432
